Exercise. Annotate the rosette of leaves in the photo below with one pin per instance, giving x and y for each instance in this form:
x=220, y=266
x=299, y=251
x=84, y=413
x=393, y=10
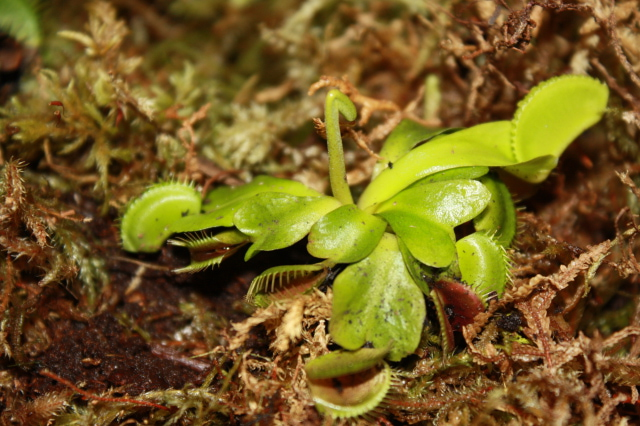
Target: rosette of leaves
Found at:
x=398, y=243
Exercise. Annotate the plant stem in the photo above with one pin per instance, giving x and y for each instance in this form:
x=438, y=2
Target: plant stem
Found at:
x=336, y=103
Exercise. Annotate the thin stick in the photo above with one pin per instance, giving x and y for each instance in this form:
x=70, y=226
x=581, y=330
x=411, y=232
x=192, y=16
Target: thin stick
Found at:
x=89, y=395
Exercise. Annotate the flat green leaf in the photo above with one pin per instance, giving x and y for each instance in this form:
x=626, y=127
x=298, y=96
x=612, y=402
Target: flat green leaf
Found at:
x=404, y=137
x=430, y=242
x=276, y=220
x=423, y=216
x=221, y=204
x=222, y=217
x=470, y=172
x=376, y=301
x=226, y=195
x=449, y=202
x=487, y=144
x=345, y=235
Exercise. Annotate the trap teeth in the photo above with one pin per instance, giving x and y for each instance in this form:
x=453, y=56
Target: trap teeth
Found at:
x=347, y=384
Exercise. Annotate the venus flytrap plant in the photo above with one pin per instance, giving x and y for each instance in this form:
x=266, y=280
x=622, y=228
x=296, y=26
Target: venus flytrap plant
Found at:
x=398, y=243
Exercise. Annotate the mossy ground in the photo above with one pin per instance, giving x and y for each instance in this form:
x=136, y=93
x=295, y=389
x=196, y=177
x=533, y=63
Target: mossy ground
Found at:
x=121, y=95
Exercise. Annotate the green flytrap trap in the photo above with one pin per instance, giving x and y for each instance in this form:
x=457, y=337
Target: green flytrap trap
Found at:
x=396, y=244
